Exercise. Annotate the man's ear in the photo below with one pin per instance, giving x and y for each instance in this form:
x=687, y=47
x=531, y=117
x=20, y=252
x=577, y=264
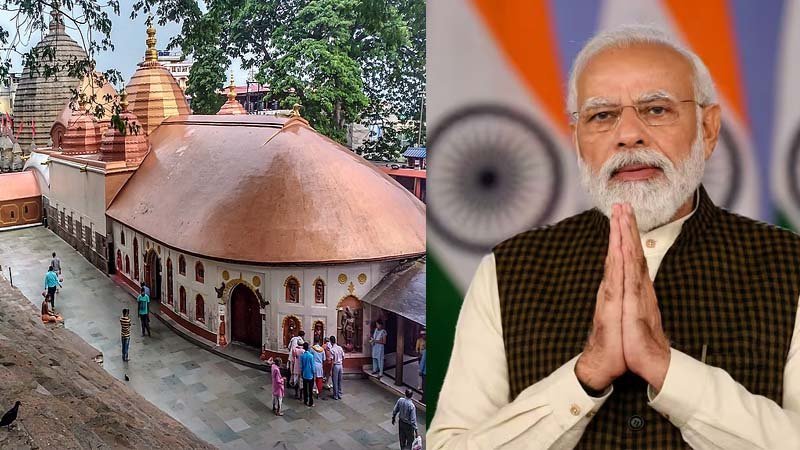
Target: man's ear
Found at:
x=574, y=132
x=712, y=122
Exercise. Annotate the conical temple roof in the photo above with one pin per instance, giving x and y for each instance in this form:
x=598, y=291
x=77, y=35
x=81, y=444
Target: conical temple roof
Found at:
x=83, y=134
x=153, y=92
x=232, y=106
x=130, y=146
x=40, y=100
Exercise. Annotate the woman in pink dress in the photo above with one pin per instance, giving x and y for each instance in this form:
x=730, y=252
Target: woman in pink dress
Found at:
x=296, y=370
x=278, y=388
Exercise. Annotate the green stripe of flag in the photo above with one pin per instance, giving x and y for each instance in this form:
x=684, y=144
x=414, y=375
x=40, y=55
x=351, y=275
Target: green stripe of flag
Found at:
x=443, y=305
x=784, y=222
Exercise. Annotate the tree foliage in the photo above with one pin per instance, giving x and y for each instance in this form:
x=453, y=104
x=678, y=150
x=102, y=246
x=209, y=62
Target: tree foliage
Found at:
x=344, y=60
x=91, y=20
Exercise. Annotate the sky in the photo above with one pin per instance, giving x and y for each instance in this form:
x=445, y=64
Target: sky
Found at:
x=127, y=35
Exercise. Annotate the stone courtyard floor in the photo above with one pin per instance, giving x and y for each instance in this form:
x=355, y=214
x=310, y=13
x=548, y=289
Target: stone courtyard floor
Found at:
x=226, y=404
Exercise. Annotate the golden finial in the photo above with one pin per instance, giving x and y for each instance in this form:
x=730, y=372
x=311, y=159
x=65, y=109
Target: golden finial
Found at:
x=232, y=89
x=56, y=24
x=123, y=100
x=151, y=54
x=296, y=110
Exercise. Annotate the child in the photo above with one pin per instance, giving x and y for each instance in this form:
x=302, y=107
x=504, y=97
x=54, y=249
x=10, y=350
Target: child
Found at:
x=278, y=388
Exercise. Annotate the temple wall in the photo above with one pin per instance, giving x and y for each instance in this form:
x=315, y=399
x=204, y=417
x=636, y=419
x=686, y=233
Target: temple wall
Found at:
x=76, y=209
x=17, y=212
x=341, y=281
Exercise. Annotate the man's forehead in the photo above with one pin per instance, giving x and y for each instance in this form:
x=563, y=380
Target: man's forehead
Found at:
x=626, y=74
x=642, y=97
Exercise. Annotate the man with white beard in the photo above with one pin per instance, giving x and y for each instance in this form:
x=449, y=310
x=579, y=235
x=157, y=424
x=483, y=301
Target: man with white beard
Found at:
x=705, y=355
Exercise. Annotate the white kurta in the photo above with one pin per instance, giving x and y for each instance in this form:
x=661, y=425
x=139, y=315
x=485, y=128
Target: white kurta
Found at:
x=710, y=408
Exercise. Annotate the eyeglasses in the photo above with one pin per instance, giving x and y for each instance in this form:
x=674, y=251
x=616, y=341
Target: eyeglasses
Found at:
x=655, y=113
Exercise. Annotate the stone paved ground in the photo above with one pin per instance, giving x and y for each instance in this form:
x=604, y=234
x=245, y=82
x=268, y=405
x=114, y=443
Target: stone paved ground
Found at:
x=68, y=402
x=224, y=403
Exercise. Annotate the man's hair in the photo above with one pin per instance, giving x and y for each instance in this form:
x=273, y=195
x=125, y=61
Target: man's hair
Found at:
x=125, y=311
x=54, y=254
x=631, y=35
x=305, y=345
x=379, y=322
x=50, y=269
x=277, y=361
x=142, y=287
x=333, y=339
x=409, y=394
x=301, y=333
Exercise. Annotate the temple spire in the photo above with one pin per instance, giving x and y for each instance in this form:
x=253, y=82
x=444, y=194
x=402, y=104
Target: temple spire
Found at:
x=123, y=100
x=56, y=23
x=232, y=89
x=151, y=54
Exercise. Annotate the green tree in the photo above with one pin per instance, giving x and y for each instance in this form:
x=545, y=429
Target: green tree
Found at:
x=90, y=18
x=338, y=58
x=396, y=86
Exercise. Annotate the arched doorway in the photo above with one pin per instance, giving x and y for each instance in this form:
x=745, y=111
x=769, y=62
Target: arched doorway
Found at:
x=350, y=324
x=245, y=317
x=152, y=274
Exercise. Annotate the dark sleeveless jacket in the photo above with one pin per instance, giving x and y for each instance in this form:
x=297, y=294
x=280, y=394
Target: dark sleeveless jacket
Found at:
x=728, y=282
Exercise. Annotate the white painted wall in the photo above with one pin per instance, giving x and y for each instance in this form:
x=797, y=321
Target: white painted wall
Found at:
x=79, y=193
x=271, y=287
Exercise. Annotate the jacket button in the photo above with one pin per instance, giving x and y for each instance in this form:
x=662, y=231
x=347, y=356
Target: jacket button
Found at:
x=575, y=410
x=636, y=423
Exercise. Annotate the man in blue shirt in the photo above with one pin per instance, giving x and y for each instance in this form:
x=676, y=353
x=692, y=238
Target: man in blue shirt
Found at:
x=144, y=318
x=408, y=420
x=50, y=285
x=307, y=367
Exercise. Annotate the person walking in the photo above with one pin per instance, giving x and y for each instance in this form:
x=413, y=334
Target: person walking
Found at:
x=56, y=263
x=144, y=317
x=337, y=358
x=407, y=411
x=125, y=332
x=378, y=341
x=319, y=359
x=50, y=285
x=278, y=387
x=307, y=367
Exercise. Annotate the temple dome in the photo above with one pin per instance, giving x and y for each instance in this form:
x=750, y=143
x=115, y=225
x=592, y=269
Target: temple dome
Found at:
x=232, y=106
x=40, y=100
x=153, y=92
x=286, y=195
x=82, y=136
x=130, y=146
x=104, y=96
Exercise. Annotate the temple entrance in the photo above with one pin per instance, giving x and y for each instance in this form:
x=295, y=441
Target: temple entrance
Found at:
x=245, y=317
x=152, y=275
x=349, y=323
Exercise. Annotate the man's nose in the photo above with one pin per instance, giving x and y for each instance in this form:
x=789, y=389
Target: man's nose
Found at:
x=631, y=131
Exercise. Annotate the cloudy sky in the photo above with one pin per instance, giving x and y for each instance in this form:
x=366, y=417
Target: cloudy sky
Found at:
x=127, y=35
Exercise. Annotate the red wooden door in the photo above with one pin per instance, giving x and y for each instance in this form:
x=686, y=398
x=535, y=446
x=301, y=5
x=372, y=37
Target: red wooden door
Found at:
x=245, y=317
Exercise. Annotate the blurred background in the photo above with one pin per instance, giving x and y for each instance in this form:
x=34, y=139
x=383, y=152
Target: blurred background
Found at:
x=500, y=156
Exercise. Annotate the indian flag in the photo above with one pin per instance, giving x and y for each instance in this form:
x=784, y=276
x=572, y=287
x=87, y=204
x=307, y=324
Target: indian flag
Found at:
x=500, y=153
x=786, y=163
